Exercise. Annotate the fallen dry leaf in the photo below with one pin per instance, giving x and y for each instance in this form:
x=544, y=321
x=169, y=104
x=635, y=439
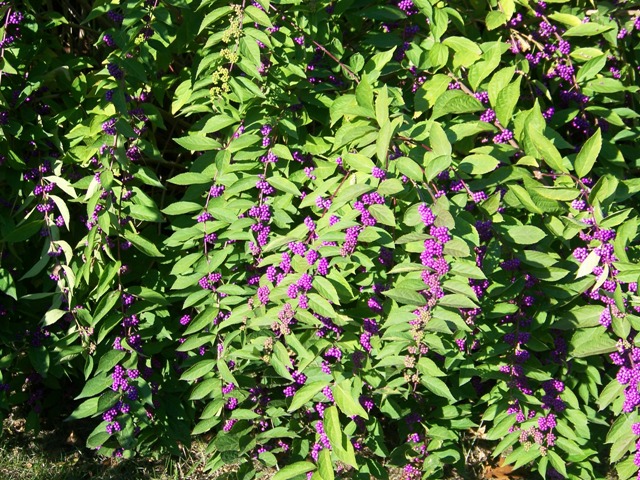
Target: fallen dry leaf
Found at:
x=500, y=472
x=72, y=439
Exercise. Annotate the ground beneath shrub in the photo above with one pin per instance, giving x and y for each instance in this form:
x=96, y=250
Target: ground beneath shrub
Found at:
x=59, y=454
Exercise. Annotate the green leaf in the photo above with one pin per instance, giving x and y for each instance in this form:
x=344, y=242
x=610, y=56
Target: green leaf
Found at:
x=501, y=428
x=217, y=123
x=616, y=219
x=332, y=428
x=508, y=7
x=619, y=299
x=277, y=432
x=604, y=189
x=142, y=244
x=124, y=128
x=390, y=186
x=621, y=427
x=204, y=389
x=383, y=214
x=342, y=447
x=591, y=68
x=109, y=360
x=198, y=370
x=190, y=178
x=180, y=208
x=558, y=193
x=346, y=401
x=627, y=468
x=383, y=140
x=284, y=185
x=435, y=166
x=86, y=409
x=439, y=141
x=205, y=425
x=306, y=393
x=455, y=101
x=525, y=234
x=604, y=85
x=621, y=447
x=557, y=462
x=610, y=393
x=591, y=341
x=359, y=162
x=481, y=70
x=226, y=442
x=326, y=289
x=107, y=325
x=23, y=232
x=364, y=95
x=428, y=367
x=499, y=80
x=467, y=270
x=405, y=296
x=408, y=167
x=438, y=387
x=104, y=306
x=569, y=446
x=586, y=30
x=495, y=19
x=525, y=198
x=438, y=55
x=547, y=151
x=507, y=100
x=382, y=106
x=243, y=142
x=457, y=248
x=567, y=19
x=224, y=372
x=52, y=316
x=430, y=91
x=107, y=400
x=94, y=386
x=62, y=207
x=321, y=306
x=379, y=60
x=345, y=105
x=478, y=164
x=258, y=16
x=198, y=143
x=7, y=285
x=213, y=16
x=108, y=275
x=589, y=263
x=146, y=213
x=40, y=359
x=325, y=467
x=244, y=414
x=463, y=46
x=98, y=437
x=588, y=154
x=522, y=456
x=202, y=320
x=294, y=470
x=542, y=203
x=457, y=300
x=280, y=361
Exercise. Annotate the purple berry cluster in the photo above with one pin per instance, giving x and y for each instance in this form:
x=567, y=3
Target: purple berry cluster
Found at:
x=12, y=28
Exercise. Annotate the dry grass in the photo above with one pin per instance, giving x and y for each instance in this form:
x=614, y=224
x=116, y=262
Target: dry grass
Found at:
x=60, y=455
x=36, y=458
